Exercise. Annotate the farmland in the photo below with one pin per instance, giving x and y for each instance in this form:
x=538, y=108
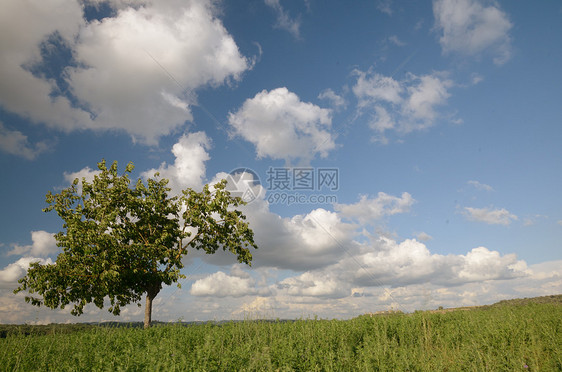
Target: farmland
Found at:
x=516, y=335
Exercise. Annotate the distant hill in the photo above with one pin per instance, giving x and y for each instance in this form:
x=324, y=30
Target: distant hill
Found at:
x=554, y=299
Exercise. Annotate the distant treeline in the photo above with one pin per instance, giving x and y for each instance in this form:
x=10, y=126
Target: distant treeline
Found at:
x=55, y=328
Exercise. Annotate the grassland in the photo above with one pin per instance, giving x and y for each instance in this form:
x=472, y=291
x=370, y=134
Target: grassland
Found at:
x=521, y=335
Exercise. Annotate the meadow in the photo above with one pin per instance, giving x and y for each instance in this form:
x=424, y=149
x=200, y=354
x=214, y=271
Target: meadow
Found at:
x=521, y=335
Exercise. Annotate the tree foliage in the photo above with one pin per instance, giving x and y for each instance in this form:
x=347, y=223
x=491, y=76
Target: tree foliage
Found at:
x=121, y=241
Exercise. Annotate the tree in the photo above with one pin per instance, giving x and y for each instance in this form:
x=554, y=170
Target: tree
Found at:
x=121, y=242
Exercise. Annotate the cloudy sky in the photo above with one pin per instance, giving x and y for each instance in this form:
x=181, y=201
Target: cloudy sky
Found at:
x=399, y=155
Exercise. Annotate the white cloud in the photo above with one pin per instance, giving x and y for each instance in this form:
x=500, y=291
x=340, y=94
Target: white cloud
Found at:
x=84, y=173
x=136, y=72
x=480, y=186
x=302, y=242
x=559, y=222
x=313, y=284
x=220, y=284
x=43, y=244
x=404, y=106
x=336, y=100
x=14, y=271
x=24, y=26
x=189, y=168
x=129, y=58
x=387, y=263
x=482, y=264
x=370, y=209
x=470, y=28
x=431, y=91
x=16, y=143
x=284, y=21
x=490, y=216
x=381, y=120
x=396, y=41
x=547, y=270
x=374, y=87
x=281, y=126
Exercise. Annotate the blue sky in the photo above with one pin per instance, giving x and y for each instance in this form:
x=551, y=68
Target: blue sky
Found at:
x=441, y=120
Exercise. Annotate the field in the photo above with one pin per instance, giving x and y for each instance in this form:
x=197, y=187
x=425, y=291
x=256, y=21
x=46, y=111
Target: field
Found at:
x=519, y=335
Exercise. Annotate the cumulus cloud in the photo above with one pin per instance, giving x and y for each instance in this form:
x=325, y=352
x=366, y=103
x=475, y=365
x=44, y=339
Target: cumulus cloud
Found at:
x=14, y=142
x=127, y=61
x=284, y=20
x=546, y=270
x=301, y=242
x=24, y=27
x=337, y=290
x=469, y=27
x=404, y=106
x=482, y=264
x=490, y=216
x=189, y=168
x=14, y=271
x=402, y=275
x=370, y=209
x=316, y=239
x=313, y=284
x=220, y=284
x=136, y=71
x=281, y=126
x=43, y=244
x=386, y=262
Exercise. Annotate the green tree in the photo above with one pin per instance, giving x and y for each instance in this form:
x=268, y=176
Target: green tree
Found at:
x=121, y=242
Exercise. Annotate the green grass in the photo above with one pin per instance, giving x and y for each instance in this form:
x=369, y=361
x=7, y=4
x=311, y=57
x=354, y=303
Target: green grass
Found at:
x=507, y=337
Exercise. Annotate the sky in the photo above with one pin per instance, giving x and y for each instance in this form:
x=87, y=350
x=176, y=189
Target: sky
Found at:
x=394, y=155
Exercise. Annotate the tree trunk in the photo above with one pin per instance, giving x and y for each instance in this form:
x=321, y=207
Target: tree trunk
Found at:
x=150, y=294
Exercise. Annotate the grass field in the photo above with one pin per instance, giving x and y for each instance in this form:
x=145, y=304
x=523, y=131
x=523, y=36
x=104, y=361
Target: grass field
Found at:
x=522, y=335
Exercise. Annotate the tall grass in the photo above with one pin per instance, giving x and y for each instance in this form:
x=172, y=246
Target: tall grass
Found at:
x=505, y=338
